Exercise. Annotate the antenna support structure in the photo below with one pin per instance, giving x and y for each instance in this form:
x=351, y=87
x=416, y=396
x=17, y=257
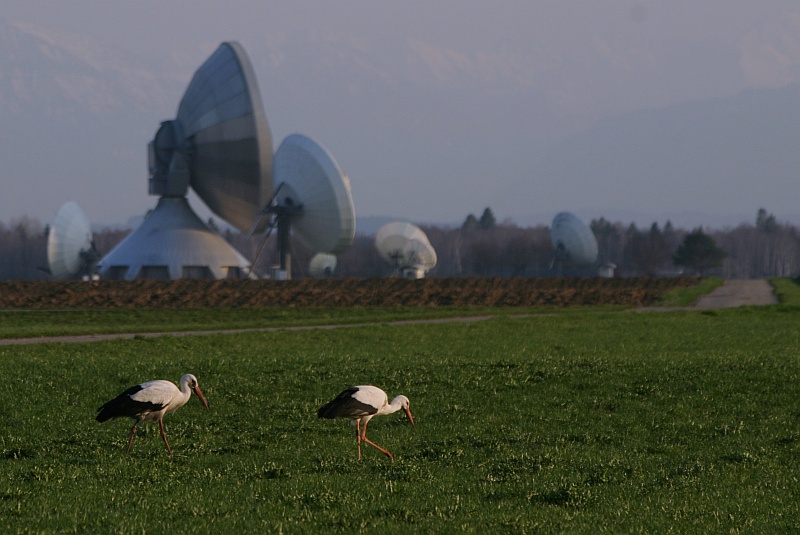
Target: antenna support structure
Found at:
x=278, y=216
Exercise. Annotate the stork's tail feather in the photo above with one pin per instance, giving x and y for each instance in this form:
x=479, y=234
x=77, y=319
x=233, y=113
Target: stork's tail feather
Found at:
x=327, y=411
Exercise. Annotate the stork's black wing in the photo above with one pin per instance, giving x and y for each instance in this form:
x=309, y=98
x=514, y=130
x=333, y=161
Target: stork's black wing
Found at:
x=125, y=405
x=345, y=405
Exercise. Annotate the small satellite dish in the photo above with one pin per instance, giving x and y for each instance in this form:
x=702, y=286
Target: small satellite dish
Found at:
x=406, y=247
x=312, y=200
x=573, y=241
x=70, y=247
x=219, y=145
x=322, y=265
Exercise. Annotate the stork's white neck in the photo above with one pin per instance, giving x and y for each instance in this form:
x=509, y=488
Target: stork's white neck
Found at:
x=186, y=391
x=394, y=406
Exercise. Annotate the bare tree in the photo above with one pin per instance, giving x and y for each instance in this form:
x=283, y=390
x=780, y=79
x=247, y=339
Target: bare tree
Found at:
x=649, y=250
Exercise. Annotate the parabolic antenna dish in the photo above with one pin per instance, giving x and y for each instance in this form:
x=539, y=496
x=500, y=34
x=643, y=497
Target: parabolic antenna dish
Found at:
x=322, y=265
x=572, y=237
x=70, y=247
x=219, y=143
x=307, y=177
x=405, y=245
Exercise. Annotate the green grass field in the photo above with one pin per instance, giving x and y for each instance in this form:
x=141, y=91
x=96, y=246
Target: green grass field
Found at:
x=583, y=422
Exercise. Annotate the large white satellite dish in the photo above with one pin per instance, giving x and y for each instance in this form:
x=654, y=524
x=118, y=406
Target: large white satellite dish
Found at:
x=220, y=145
x=573, y=241
x=406, y=247
x=312, y=200
x=70, y=247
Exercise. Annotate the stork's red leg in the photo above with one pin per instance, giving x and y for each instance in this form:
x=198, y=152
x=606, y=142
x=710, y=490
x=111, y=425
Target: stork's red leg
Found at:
x=371, y=443
x=130, y=438
x=358, y=436
x=164, y=435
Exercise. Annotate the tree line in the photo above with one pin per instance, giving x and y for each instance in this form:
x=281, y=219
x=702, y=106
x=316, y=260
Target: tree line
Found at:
x=484, y=247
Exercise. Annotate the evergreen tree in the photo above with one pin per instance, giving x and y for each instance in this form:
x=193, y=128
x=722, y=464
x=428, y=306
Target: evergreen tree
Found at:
x=470, y=222
x=765, y=222
x=487, y=220
x=699, y=252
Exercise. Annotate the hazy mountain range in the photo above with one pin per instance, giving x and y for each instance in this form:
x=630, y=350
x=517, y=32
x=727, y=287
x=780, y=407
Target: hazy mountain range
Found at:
x=76, y=116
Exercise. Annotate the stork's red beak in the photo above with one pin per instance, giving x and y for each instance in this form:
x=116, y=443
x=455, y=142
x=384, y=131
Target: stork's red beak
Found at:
x=410, y=418
x=201, y=396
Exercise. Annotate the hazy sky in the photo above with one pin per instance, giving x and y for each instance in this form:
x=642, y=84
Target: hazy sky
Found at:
x=414, y=97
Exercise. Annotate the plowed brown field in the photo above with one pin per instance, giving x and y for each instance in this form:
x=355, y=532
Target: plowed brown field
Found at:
x=338, y=292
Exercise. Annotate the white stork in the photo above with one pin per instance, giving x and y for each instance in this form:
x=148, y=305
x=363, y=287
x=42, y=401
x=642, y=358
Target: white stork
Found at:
x=360, y=404
x=149, y=402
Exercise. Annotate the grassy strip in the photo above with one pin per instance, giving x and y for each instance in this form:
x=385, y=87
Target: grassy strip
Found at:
x=35, y=323
x=582, y=423
x=30, y=323
x=684, y=297
x=787, y=290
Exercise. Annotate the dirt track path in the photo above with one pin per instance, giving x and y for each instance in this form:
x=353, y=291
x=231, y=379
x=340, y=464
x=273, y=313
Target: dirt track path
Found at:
x=737, y=293
x=129, y=336
x=733, y=293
